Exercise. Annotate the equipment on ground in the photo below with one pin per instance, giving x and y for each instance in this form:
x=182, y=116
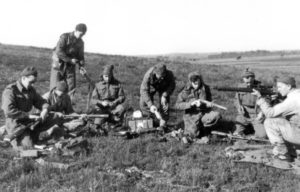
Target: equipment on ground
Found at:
x=236, y=137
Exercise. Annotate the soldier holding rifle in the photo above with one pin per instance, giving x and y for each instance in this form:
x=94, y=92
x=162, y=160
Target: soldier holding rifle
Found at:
x=195, y=99
x=68, y=52
x=282, y=122
x=18, y=99
x=248, y=117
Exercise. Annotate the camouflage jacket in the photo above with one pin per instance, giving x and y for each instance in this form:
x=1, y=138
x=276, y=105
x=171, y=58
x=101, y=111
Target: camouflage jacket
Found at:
x=189, y=94
x=69, y=47
x=112, y=92
x=58, y=104
x=151, y=85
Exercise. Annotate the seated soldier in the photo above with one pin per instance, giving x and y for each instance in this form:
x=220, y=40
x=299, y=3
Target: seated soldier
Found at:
x=108, y=97
x=198, y=117
x=18, y=99
x=248, y=119
x=60, y=105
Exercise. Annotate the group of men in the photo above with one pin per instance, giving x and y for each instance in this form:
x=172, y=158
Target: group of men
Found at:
x=280, y=123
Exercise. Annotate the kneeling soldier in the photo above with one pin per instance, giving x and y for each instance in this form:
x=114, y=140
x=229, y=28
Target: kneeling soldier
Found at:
x=108, y=97
x=198, y=117
x=18, y=99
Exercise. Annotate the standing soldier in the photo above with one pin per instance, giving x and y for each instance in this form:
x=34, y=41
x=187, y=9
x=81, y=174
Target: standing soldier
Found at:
x=18, y=99
x=108, y=97
x=248, y=116
x=68, y=52
x=157, y=79
x=198, y=117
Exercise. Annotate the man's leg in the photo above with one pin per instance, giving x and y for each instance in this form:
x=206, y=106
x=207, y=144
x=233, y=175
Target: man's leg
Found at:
x=55, y=76
x=191, y=124
x=241, y=123
x=210, y=120
x=258, y=127
x=280, y=131
x=118, y=112
x=71, y=80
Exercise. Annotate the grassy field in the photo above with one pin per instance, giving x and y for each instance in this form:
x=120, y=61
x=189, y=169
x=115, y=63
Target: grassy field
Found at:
x=162, y=166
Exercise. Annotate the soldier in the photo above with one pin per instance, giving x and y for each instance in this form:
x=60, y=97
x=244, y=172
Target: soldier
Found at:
x=198, y=117
x=108, y=97
x=68, y=52
x=157, y=79
x=282, y=121
x=248, y=118
x=60, y=105
x=17, y=101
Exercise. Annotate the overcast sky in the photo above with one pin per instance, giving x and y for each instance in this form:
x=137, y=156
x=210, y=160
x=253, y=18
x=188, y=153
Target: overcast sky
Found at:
x=133, y=27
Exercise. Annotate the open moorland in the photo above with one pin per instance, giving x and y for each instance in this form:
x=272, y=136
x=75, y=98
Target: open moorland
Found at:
x=161, y=166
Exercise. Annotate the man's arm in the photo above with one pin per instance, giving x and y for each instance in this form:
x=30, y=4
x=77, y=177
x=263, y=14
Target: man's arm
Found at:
x=9, y=105
x=181, y=103
x=38, y=101
x=171, y=86
x=145, y=89
x=61, y=47
x=287, y=107
x=121, y=97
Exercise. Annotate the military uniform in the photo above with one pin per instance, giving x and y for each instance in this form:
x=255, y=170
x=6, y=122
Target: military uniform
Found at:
x=197, y=120
x=246, y=120
x=151, y=85
x=112, y=92
x=67, y=48
x=17, y=102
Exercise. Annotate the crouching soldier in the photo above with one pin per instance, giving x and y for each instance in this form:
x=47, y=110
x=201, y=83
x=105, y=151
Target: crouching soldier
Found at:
x=60, y=105
x=157, y=79
x=198, y=117
x=18, y=99
x=249, y=119
x=108, y=97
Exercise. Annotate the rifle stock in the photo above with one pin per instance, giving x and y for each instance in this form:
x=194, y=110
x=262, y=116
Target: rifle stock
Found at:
x=213, y=104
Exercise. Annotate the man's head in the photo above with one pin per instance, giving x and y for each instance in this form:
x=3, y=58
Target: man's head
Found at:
x=28, y=76
x=61, y=88
x=80, y=30
x=108, y=73
x=248, y=77
x=160, y=71
x=285, y=85
x=195, y=80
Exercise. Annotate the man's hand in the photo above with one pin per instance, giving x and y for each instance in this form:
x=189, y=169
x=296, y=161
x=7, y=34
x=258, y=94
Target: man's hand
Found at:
x=196, y=103
x=104, y=103
x=241, y=110
x=82, y=71
x=83, y=116
x=44, y=114
x=153, y=109
x=256, y=93
x=74, y=61
x=209, y=104
x=34, y=117
x=59, y=114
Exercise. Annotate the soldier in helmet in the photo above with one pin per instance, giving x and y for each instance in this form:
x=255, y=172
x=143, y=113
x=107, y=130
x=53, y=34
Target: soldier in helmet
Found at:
x=249, y=118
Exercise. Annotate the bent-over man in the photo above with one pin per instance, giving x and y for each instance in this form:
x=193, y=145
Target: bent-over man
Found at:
x=158, y=79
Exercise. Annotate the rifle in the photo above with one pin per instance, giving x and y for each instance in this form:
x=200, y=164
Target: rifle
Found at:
x=235, y=137
x=213, y=104
x=88, y=116
x=20, y=130
x=264, y=90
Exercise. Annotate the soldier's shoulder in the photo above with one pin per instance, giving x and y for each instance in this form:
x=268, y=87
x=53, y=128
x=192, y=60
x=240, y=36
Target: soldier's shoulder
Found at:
x=11, y=86
x=65, y=35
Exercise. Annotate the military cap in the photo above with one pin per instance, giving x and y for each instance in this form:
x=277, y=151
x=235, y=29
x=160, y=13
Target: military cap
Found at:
x=248, y=73
x=81, y=27
x=28, y=71
x=287, y=80
x=108, y=70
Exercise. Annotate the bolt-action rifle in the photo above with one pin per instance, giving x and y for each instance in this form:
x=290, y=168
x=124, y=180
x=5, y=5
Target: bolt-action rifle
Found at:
x=235, y=137
x=212, y=104
x=87, y=116
x=264, y=90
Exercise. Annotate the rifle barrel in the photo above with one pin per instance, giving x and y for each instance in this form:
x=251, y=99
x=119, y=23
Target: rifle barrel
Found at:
x=88, y=116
